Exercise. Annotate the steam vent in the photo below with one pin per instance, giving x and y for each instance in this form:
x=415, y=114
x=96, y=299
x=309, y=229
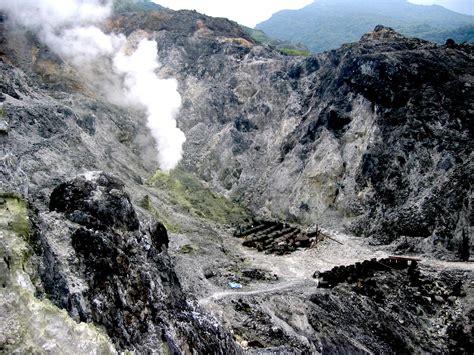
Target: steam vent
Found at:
x=175, y=183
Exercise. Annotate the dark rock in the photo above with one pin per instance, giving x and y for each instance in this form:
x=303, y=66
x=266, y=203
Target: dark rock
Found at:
x=95, y=200
x=258, y=274
x=458, y=289
x=244, y=125
x=382, y=308
x=132, y=290
x=450, y=43
x=464, y=250
x=255, y=344
x=88, y=124
x=4, y=128
x=209, y=274
x=159, y=235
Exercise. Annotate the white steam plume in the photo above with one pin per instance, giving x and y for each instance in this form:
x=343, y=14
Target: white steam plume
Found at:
x=144, y=87
x=68, y=28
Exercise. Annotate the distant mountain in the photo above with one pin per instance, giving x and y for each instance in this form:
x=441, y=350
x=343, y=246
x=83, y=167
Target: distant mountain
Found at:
x=100, y=253
x=326, y=24
x=462, y=6
x=461, y=34
x=123, y=6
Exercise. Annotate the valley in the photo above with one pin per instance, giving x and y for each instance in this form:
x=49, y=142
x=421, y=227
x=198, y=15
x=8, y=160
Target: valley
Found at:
x=292, y=166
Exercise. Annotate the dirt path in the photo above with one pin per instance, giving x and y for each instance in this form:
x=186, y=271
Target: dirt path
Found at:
x=296, y=270
x=303, y=263
x=272, y=288
x=446, y=265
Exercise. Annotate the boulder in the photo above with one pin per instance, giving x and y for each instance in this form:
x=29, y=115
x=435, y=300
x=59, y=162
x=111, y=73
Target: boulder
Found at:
x=96, y=200
x=4, y=128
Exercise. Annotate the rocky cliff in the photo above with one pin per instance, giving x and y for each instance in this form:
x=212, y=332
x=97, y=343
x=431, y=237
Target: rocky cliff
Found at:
x=76, y=242
x=374, y=138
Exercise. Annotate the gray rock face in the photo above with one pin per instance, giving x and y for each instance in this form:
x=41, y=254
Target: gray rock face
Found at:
x=374, y=136
x=103, y=266
x=100, y=258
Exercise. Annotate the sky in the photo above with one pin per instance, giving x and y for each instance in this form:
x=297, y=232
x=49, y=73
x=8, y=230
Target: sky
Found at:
x=462, y=6
x=262, y=10
x=245, y=12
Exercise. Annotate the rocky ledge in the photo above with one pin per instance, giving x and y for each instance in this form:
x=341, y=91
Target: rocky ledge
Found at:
x=105, y=263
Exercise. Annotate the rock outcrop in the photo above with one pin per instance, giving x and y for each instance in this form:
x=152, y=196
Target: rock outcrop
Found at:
x=374, y=137
x=103, y=265
x=391, y=308
x=28, y=323
x=93, y=274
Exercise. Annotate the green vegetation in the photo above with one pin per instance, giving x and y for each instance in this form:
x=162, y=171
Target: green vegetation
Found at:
x=327, y=24
x=18, y=210
x=295, y=52
x=122, y=6
x=285, y=47
x=460, y=35
x=188, y=249
x=171, y=227
x=194, y=198
x=258, y=36
x=15, y=223
x=14, y=220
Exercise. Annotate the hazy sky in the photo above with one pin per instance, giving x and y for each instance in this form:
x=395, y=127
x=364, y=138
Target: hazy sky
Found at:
x=245, y=12
x=463, y=6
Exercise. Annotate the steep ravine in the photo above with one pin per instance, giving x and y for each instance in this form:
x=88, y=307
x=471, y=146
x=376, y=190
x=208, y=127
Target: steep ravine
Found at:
x=372, y=139
x=374, y=136
x=94, y=253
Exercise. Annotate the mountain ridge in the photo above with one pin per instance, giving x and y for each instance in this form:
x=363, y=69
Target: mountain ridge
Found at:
x=371, y=138
x=325, y=25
